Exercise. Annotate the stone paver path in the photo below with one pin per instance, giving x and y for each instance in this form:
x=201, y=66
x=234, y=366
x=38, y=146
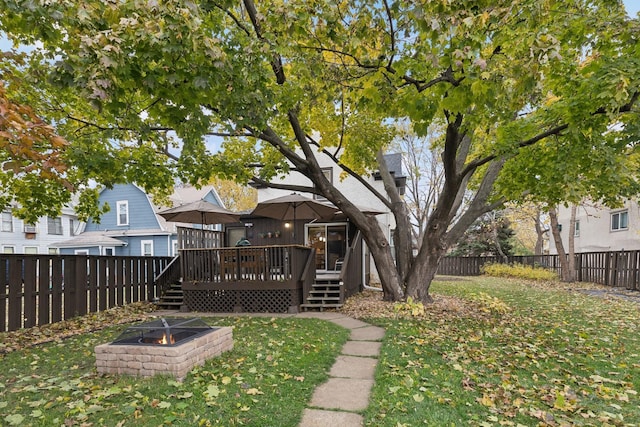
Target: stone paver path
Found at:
x=351, y=378
x=337, y=402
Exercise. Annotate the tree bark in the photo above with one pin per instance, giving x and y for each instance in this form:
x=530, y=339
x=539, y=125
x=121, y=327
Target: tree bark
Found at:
x=566, y=275
x=572, y=244
x=539, y=234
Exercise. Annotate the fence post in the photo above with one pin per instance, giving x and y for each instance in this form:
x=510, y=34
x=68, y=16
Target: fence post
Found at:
x=15, y=293
x=30, y=296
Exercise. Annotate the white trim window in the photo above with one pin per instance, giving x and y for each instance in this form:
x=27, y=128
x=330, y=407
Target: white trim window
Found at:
x=7, y=222
x=328, y=173
x=122, y=210
x=109, y=250
x=146, y=248
x=8, y=250
x=54, y=226
x=31, y=250
x=620, y=220
x=81, y=252
x=576, y=228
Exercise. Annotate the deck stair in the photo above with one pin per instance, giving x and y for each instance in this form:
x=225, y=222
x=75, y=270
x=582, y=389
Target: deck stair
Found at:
x=173, y=298
x=326, y=293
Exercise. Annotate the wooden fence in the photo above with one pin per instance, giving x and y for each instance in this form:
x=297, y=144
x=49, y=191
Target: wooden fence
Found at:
x=618, y=269
x=41, y=289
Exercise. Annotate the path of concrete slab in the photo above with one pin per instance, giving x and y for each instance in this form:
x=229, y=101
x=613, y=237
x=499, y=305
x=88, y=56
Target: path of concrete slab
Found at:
x=340, y=401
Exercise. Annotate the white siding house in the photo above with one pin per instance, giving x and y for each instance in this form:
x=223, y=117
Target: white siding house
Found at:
x=18, y=237
x=353, y=189
x=600, y=229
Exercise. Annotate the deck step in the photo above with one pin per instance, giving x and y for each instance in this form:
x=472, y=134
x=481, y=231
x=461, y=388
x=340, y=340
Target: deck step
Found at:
x=320, y=307
x=173, y=298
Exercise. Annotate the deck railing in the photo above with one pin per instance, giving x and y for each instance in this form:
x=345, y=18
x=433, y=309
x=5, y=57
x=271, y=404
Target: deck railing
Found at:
x=248, y=278
x=243, y=264
x=195, y=238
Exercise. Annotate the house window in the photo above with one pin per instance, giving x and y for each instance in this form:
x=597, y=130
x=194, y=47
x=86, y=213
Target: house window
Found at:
x=30, y=228
x=81, y=252
x=620, y=221
x=30, y=250
x=109, y=251
x=53, y=251
x=576, y=229
x=54, y=226
x=72, y=227
x=7, y=222
x=8, y=250
x=146, y=248
x=328, y=173
x=123, y=212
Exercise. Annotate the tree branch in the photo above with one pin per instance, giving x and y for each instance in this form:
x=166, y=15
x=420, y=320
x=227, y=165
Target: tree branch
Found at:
x=276, y=61
x=550, y=132
x=289, y=187
x=353, y=174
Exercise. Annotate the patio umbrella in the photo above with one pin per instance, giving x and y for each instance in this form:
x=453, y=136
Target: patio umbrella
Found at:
x=200, y=212
x=292, y=207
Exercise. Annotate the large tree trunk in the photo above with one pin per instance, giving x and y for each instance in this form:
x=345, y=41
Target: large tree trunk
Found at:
x=539, y=234
x=390, y=278
x=572, y=243
x=566, y=274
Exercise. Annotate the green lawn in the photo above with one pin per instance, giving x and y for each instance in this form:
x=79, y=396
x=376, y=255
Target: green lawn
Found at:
x=490, y=352
x=512, y=355
x=265, y=381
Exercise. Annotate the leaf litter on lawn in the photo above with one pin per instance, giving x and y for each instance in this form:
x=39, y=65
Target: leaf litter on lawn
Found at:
x=28, y=337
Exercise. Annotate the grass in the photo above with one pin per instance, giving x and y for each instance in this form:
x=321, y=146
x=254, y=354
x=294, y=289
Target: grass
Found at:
x=490, y=352
x=265, y=381
x=525, y=355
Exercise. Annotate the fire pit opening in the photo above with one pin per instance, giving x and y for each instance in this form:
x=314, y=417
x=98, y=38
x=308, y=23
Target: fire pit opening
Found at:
x=166, y=332
x=163, y=346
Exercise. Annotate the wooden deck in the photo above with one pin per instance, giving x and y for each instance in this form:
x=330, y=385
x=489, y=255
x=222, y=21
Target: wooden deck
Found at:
x=250, y=278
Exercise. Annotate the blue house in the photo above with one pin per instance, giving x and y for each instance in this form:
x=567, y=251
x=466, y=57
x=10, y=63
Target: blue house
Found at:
x=132, y=227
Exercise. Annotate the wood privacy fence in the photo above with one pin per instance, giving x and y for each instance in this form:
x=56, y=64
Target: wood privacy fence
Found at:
x=41, y=289
x=618, y=269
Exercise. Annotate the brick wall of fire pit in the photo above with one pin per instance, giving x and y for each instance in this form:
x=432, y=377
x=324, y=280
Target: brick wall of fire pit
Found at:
x=178, y=360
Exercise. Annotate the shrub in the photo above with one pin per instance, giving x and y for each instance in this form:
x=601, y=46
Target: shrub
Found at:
x=519, y=271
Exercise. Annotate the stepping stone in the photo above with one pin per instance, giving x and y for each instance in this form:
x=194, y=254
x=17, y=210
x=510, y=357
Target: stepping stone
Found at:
x=350, y=323
x=320, y=418
x=369, y=333
x=354, y=367
x=362, y=348
x=343, y=393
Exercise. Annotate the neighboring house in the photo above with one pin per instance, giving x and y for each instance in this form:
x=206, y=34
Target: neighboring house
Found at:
x=132, y=227
x=18, y=237
x=600, y=229
x=329, y=238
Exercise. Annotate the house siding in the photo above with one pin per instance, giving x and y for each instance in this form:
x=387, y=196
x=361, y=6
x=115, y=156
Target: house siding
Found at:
x=595, y=229
x=141, y=214
x=21, y=242
x=143, y=222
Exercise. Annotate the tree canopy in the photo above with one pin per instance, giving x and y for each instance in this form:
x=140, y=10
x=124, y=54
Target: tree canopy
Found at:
x=534, y=96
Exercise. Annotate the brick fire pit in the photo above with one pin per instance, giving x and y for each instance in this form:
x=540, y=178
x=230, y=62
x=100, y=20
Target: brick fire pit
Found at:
x=164, y=346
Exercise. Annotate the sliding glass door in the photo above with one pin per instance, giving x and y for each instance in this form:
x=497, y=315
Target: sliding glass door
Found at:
x=330, y=243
